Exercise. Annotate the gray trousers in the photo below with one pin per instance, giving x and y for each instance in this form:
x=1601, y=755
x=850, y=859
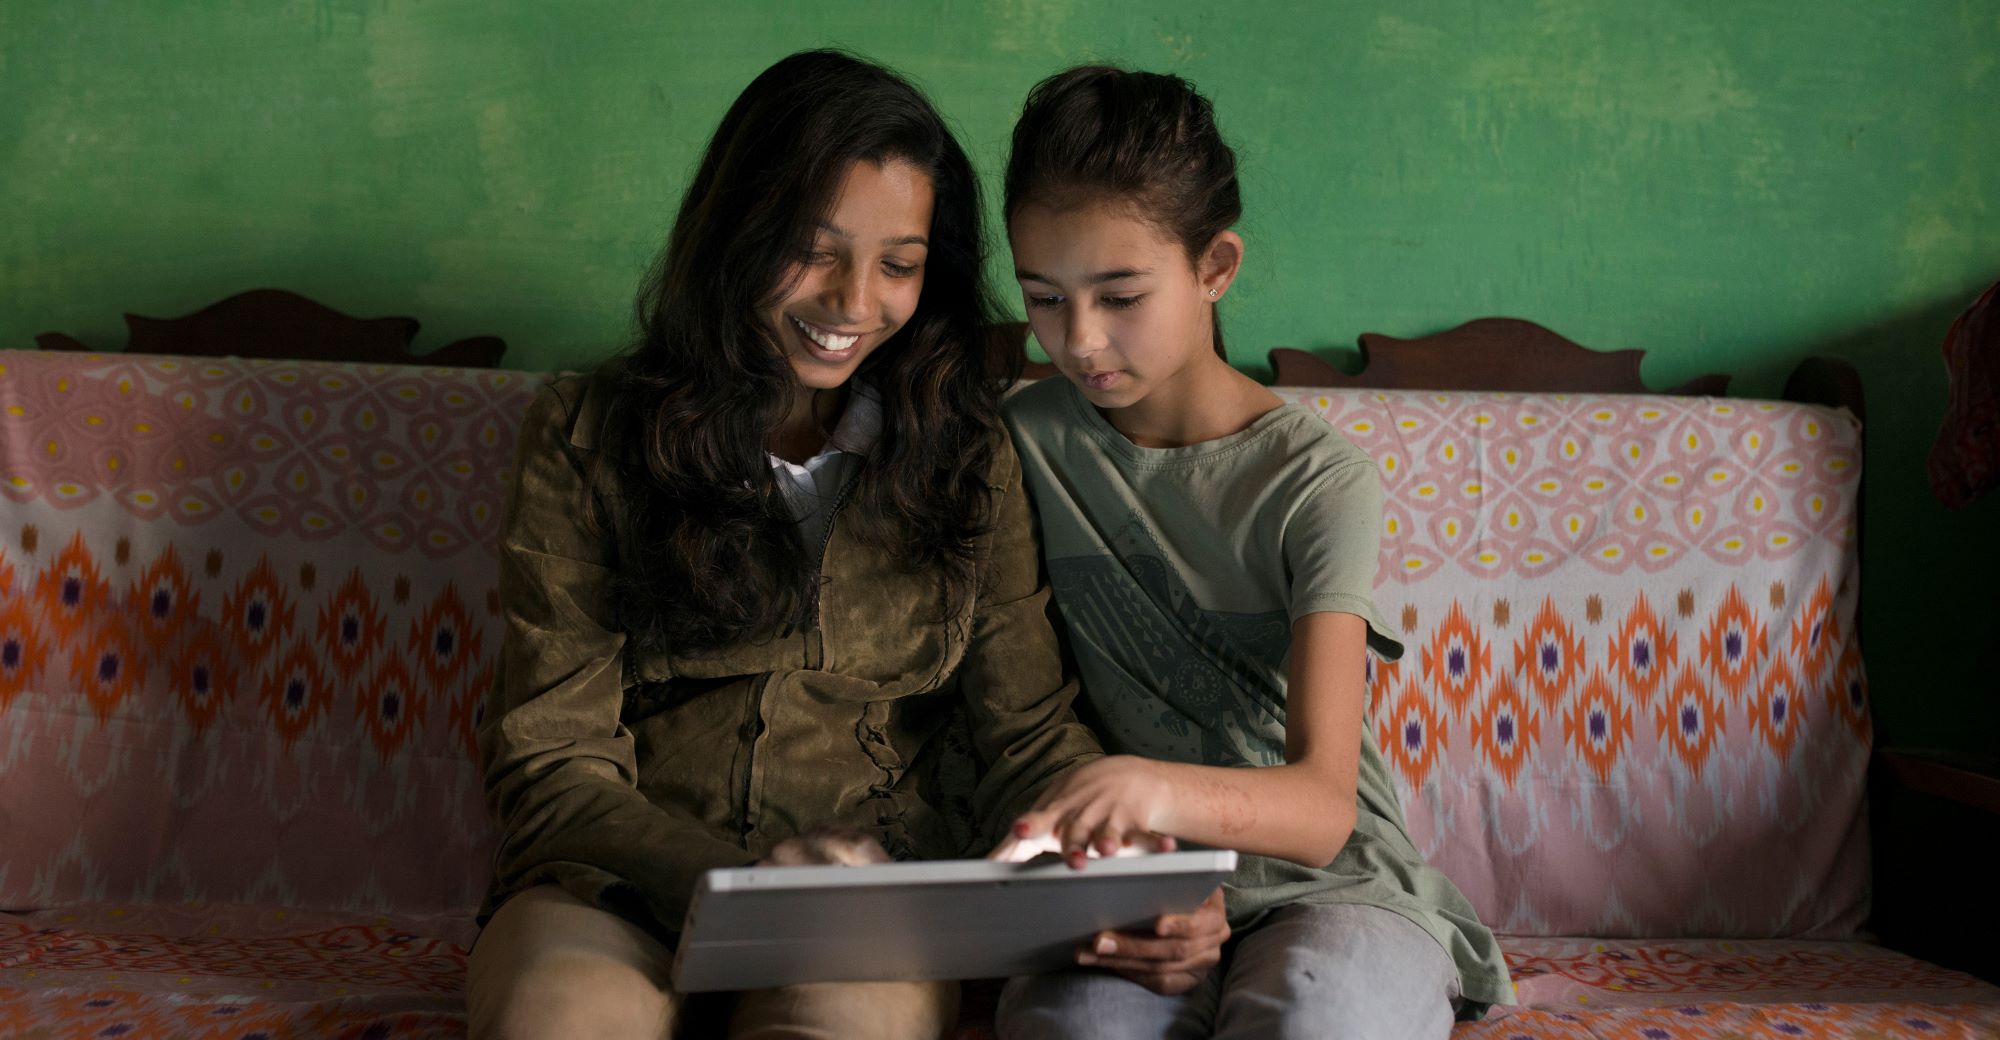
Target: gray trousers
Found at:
x=1330, y=972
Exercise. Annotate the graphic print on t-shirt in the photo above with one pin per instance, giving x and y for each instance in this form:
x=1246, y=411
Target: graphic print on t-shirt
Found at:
x=1170, y=679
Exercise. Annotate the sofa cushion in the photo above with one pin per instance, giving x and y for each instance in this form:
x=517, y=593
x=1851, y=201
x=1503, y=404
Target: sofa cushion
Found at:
x=236, y=971
x=1633, y=702
x=1584, y=974
x=248, y=609
x=231, y=971
x=1817, y=1020
x=247, y=616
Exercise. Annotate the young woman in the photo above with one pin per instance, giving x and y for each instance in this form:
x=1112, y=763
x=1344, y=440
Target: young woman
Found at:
x=1213, y=554
x=759, y=571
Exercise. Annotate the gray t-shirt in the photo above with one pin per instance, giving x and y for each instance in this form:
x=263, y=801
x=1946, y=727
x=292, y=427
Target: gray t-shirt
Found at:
x=1179, y=573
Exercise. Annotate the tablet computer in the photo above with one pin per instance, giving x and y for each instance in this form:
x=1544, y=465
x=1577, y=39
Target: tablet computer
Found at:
x=757, y=927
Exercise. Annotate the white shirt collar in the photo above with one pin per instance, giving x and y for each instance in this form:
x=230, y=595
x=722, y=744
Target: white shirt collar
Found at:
x=857, y=432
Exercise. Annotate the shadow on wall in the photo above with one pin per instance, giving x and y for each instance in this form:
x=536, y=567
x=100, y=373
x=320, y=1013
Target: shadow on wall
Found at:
x=1931, y=581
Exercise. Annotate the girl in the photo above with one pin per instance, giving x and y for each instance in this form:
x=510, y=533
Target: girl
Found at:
x=755, y=570
x=1213, y=554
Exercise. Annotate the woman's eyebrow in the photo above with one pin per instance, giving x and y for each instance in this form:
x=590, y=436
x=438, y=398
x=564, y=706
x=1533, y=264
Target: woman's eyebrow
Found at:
x=900, y=240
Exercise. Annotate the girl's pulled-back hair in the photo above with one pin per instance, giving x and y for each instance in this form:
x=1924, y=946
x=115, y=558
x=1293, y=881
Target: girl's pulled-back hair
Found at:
x=1096, y=132
x=712, y=553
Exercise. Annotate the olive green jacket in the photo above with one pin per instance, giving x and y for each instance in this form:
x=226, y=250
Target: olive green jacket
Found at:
x=622, y=775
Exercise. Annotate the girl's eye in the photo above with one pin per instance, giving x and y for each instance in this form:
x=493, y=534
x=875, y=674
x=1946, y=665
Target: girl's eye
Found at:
x=1045, y=301
x=1120, y=303
x=816, y=258
x=895, y=270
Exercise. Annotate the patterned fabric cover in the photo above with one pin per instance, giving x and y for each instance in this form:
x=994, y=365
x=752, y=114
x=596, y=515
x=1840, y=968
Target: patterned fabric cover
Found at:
x=231, y=971
x=246, y=620
x=237, y=971
x=247, y=616
x=1632, y=703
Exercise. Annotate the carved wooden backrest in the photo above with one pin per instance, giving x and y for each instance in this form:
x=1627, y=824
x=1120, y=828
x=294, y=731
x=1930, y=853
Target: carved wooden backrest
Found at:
x=1506, y=354
x=273, y=323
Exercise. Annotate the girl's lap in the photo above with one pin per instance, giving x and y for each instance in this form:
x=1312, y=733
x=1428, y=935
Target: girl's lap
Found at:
x=1319, y=970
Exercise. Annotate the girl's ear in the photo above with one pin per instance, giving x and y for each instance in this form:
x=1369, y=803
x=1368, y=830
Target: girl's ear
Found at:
x=1219, y=264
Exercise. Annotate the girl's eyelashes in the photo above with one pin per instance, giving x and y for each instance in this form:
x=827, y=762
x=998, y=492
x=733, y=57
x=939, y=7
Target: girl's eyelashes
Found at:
x=900, y=270
x=1116, y=303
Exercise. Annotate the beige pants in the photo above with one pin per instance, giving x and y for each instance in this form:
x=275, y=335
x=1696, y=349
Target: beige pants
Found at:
x=549, y=965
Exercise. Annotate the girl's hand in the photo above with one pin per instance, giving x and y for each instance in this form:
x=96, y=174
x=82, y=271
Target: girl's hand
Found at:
x=1173, y=957
x=828, y=846
x=1101, y=808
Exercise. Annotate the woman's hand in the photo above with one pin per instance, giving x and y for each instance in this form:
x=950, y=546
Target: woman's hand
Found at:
x=826, y=847
x=1103, y=807
x=1173, y=957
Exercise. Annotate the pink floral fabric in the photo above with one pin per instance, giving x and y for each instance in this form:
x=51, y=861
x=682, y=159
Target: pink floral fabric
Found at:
x=248, y=614
x=1633, y=702
x=233, y=971
x=246, y=623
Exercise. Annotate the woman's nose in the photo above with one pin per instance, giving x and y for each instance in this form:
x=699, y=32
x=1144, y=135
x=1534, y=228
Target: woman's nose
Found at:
x=847, y=293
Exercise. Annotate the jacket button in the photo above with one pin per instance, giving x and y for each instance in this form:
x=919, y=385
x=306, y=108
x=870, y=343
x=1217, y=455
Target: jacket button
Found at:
x=752, y=729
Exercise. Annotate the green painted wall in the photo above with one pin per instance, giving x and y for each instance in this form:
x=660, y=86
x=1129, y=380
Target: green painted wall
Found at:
x=1733, y=186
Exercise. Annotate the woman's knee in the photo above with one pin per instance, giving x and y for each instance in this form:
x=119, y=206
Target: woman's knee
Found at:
x=571, y=997
x=550, y=965
x=832, y=1010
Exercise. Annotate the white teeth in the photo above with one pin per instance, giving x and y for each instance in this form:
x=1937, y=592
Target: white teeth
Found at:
x=826, y=339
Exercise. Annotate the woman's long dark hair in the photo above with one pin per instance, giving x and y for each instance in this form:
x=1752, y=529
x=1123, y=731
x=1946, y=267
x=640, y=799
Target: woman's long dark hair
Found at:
x=712, y=554
x=1095, y=132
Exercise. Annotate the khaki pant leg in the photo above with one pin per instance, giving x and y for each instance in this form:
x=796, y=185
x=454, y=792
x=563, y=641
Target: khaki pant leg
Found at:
x=845, y=1010
x=548, y=965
